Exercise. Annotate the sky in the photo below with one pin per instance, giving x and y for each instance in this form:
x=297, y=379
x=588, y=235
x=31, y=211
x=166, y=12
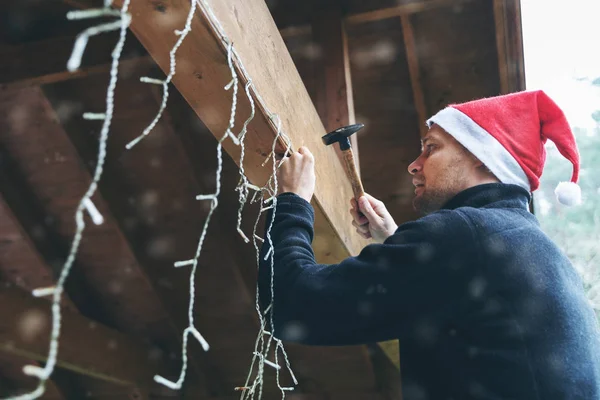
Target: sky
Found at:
x=561, y=45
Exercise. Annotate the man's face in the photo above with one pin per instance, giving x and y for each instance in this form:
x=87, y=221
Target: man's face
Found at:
x=441, y=171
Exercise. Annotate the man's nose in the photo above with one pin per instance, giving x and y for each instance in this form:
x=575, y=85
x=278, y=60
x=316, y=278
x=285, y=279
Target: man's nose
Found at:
x=414, y=167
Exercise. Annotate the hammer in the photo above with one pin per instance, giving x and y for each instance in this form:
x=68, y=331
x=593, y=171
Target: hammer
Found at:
x=341, y=136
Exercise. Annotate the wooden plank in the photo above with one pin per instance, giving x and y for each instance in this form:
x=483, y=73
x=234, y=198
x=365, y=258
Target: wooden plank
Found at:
x=335, y=100
x=86, y=347
x=415, y=73
x=25, y=68
x=203, y=72
x=402, y=9
x=509, y=39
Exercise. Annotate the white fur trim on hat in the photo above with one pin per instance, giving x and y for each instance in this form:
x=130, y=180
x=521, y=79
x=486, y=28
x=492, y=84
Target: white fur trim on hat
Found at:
x=482, y=145
x=568, y=193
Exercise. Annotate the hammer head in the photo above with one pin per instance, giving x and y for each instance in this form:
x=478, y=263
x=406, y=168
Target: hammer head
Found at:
x=341, y=135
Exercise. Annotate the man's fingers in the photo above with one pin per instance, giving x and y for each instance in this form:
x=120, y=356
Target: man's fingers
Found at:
x=376, y=203
x=358, y=217
x=306, y=152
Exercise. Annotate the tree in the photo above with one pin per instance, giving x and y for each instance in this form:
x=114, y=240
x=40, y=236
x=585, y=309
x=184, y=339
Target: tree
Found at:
x=575, y=229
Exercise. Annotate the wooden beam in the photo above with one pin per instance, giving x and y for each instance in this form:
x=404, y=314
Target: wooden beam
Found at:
x=401, y=9
x=86, y=347
x=118, y=289
x=203, y=72
x=22, y=265
x=26, y=67
x=415, y=72
x=335, y=101
x=509, y=39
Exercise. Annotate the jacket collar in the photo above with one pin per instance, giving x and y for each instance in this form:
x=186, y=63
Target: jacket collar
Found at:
x=496, y=195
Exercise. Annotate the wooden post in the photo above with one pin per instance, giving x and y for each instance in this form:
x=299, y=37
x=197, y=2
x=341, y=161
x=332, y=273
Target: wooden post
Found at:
x=415, y=75
x=509, y=39
x=335, y=102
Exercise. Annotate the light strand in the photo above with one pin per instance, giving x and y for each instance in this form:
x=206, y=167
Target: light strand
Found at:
x=51, y=359
x=172, y=69
x=272, y=188
x=82, y=39
x=213, y=205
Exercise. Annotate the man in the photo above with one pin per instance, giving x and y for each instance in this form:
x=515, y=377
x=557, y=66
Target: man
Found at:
x=485, y=305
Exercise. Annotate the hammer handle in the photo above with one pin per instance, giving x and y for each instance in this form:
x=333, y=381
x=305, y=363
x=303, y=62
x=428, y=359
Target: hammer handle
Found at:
x=357, y=186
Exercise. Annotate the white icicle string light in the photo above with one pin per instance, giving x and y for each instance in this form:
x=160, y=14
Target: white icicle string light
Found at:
x=261, y=345
x=244, y=184
x=82, y=39
x=172, y=69
x=271, y=187
x=44, y=373
x=213, y=205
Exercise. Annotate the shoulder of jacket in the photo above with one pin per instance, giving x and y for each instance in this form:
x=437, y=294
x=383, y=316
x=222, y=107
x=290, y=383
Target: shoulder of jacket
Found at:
x=443, y=223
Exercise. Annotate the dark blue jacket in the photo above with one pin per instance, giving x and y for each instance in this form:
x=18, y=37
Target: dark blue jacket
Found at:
x=484, y=304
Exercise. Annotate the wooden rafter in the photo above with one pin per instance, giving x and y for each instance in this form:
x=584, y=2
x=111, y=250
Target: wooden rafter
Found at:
x=415, y=74
x=509, y=39
x=25, y=328
x=25, y=68
x=122, y=295
x=401, y=9
x=11, y=369
x=22, y=265
x=335, y=101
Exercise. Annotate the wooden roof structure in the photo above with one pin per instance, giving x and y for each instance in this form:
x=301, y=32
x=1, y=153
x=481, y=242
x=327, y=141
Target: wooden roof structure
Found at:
x=319, y=65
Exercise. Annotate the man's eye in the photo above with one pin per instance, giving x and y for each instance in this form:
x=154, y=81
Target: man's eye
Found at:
x=429, y=148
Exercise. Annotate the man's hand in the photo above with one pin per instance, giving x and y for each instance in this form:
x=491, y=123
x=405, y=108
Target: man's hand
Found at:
x=375, y=221
x=297, y=174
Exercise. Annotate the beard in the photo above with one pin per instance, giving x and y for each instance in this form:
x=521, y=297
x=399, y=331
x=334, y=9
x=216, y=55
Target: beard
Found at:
x=431, y=200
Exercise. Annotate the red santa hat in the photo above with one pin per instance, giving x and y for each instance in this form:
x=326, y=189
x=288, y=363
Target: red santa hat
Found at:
x=507, y=134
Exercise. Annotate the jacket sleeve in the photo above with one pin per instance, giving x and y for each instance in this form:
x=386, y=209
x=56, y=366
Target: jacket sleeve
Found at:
x=375, y=296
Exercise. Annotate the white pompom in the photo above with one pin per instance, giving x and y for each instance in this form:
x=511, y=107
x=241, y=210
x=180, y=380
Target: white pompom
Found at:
x=568, y=193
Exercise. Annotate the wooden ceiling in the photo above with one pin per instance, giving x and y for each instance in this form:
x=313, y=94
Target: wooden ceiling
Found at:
x=127, y=307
